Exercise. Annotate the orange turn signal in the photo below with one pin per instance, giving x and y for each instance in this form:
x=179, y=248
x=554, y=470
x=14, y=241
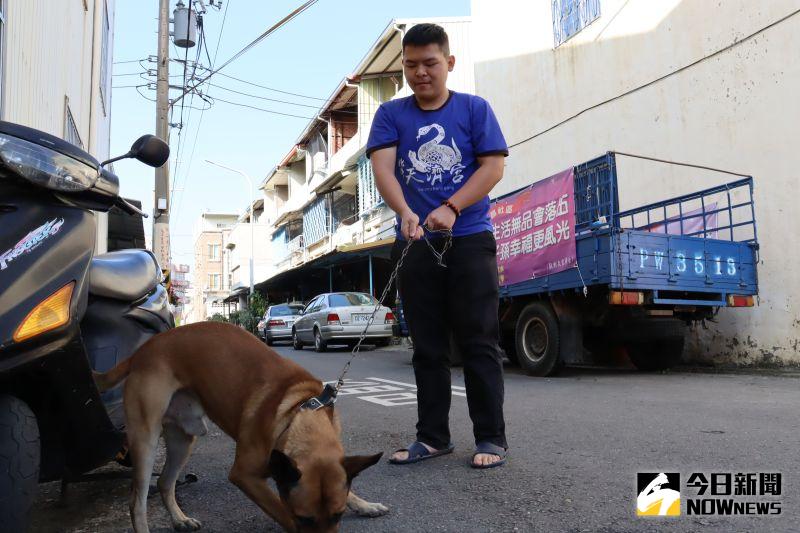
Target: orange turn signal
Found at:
x=740, y=301
x=626, y=298
x=51, y=313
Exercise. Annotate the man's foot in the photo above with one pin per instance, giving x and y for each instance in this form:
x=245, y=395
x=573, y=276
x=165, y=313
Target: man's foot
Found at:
x=483, y=460
x=488, y=455
x=401, y=455
x=418, y=451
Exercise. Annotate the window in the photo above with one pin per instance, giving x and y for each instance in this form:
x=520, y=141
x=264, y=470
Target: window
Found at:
x=316, y=221
x=351, y=298
x=571, y=16
x=368, y=195
x=213, y=281
x=71, y=134
x=285, y=310
x=105, y=93
x=214, y=252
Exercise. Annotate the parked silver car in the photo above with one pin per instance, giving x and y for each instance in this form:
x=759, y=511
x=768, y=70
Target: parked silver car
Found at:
x=278, y=321
x=339, y=318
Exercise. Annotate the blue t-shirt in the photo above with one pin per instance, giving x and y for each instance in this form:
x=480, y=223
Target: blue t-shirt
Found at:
x=437, y=152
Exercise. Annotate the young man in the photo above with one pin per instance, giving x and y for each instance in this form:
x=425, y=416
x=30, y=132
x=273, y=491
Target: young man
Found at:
x=436, y=155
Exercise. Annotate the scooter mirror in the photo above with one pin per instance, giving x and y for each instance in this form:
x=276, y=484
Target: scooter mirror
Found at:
x=150, y=150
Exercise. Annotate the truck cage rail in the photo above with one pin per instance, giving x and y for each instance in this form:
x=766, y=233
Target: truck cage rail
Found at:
x=723, y=212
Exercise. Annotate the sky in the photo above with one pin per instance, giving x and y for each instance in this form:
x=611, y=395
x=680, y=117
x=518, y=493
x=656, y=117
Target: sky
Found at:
x=309, y=56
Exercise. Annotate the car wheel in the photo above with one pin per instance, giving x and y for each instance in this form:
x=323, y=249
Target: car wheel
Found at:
x=296, y=343
x=20, y=456
x=383, y=342
x=320, y=344
x=537, y=340
x=269, y=341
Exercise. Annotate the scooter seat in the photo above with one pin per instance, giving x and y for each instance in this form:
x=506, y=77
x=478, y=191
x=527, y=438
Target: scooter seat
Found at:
x=124, y=275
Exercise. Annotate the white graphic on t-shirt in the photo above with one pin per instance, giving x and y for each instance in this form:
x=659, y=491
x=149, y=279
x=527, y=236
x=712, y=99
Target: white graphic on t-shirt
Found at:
x=433, y=158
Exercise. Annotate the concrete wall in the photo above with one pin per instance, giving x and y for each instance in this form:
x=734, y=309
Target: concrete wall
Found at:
x=735, y=110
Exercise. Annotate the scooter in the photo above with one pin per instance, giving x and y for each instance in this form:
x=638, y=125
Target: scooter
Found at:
x=64, y=312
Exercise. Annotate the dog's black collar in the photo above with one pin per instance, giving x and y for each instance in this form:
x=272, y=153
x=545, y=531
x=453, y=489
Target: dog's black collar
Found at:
x=325, y=399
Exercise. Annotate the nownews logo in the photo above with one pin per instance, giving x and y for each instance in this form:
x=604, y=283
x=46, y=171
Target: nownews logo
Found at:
x=659, y=494
x=719, y=493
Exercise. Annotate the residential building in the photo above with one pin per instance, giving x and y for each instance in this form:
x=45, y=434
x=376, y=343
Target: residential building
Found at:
x=55, y=72
x=248, y=240
x=699, y=82
x=212, y=281
x=330, y=230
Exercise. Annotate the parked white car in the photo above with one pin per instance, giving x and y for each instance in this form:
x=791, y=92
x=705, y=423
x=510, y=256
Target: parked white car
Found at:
x=278, y=321
x=339, y=318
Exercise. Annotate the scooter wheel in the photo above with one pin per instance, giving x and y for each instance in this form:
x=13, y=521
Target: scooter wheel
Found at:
x=19, y=457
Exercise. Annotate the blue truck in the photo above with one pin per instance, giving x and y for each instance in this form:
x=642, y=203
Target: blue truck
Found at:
x=642, y=276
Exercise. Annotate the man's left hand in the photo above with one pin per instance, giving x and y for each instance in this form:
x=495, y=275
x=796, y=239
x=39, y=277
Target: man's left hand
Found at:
x=441, y=218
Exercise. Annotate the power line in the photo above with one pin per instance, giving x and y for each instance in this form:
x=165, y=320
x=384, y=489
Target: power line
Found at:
x=187, y=174
x=281, y=91
x=312, y=106
x=257, y=40
x=262, y=109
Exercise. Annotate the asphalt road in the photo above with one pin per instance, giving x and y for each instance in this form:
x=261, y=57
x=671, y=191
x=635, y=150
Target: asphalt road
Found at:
x=577, y=443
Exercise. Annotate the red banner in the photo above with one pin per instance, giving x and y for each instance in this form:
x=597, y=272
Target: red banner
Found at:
x=534, y=229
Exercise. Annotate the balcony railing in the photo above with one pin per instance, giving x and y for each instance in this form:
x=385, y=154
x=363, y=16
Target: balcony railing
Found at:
x=296, y=245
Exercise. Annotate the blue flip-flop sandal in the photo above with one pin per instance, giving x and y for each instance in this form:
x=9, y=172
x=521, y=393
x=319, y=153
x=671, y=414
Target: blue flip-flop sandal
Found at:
x=418, y=452
x=491, y=449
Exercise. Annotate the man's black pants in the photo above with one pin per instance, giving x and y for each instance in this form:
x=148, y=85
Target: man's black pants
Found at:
x=463, y=299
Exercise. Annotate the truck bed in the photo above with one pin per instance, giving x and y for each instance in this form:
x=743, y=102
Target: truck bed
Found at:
x=696, y=249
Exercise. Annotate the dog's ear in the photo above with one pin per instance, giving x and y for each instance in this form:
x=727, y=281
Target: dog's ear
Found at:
x=354, y=464
x=283, y=469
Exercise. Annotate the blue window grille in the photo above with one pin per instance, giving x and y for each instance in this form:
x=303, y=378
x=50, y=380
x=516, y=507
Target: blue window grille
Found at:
x=316, y=221
x=368, y=195
x=571, y=16
x=279, y=244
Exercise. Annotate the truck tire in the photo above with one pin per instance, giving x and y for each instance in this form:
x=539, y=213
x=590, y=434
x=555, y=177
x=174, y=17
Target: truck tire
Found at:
x=656, y=355
x=19, y=463
x=537, y=340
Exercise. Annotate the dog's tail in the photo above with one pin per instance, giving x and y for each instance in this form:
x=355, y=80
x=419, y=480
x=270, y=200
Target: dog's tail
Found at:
x=110, y=379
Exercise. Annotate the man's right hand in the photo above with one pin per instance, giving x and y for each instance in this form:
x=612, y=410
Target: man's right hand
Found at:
x=409, y=226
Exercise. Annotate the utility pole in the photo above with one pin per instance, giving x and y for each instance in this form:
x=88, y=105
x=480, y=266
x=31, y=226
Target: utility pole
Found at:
x=160, y=242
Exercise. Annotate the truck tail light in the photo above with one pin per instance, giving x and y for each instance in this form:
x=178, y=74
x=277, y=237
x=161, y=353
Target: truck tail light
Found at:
x=735, y=300
x=389, y=318
x=333, y=319
x=51, y=313
x=626, y=298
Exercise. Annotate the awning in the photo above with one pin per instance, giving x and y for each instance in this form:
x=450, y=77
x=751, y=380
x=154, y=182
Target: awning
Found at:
x=365, y=246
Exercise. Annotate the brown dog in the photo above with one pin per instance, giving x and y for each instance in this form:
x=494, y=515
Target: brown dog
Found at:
x=253, y=395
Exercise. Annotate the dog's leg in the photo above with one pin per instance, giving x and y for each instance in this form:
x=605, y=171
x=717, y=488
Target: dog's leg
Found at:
x=179, y=447
x=249, y=474
x=145, y=404
x=364, y=508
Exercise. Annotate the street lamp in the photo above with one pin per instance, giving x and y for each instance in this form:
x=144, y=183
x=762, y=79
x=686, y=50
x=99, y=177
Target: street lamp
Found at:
x=252, y=218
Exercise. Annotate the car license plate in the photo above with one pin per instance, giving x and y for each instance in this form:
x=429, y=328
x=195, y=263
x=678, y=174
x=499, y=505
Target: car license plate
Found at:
x=360, y=319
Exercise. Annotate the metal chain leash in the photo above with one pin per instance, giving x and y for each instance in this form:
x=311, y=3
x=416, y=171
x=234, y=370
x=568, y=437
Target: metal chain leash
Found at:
x=440, y=261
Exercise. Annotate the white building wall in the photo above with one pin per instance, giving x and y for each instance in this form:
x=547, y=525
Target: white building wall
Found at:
x=52, y=55
x=240, y=255
x=736, y=110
